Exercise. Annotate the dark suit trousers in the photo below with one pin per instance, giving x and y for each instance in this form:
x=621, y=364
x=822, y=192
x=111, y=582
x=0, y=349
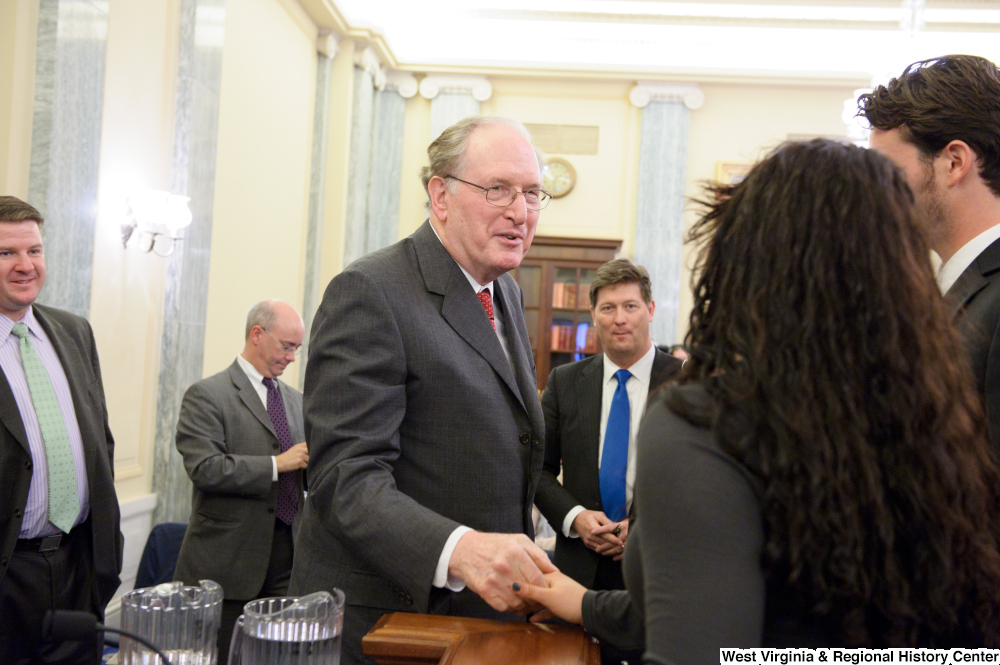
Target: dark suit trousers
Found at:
x=279, y=572
x=39, y=581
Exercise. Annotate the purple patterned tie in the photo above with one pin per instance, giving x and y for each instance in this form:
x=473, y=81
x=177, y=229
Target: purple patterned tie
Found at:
x=288, y=500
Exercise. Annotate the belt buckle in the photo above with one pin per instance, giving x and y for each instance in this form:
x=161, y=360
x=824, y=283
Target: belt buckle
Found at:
x=50, y=543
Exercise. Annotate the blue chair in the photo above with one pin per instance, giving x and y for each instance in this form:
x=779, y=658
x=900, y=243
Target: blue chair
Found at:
x=159, y=558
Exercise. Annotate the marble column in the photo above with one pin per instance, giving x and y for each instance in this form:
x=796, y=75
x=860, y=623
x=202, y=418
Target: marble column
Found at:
x=313, y=288
x=356, y=216
x=378, y=116
x=65, y=144
x=453, y=98
x=185, y=301
x=386, y=170
x=659, y=215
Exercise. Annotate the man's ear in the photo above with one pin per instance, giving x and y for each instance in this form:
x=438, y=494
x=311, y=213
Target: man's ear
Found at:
x=437, y=189
x=959, y=161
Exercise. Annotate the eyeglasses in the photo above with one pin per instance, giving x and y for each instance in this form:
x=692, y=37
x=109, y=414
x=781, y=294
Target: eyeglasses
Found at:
x=287, y=348
x=502, y=196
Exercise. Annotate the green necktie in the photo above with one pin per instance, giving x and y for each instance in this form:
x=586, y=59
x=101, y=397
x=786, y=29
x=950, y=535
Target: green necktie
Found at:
x=64, y=505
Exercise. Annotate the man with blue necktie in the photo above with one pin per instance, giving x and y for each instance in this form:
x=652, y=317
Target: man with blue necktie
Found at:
x=592, y=413
x=241, y=436
x=61, y=546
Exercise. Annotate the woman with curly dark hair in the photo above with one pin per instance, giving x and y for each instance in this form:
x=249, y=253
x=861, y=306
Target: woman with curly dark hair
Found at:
x=820, y=474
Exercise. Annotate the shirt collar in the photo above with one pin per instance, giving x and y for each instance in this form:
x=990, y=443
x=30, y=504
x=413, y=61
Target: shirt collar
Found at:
x=476, y=286
x=256, y=378
x=963, y=258
x=7, y=325
x=641, y=370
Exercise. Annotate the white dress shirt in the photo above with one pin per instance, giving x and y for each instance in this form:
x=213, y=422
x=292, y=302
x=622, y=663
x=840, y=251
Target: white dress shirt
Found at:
x=963, y=258
x=257, y=381
x=637, y=388
x=36, y=521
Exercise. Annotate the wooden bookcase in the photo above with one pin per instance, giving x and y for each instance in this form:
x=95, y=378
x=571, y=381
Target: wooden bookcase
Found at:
x=555, y=277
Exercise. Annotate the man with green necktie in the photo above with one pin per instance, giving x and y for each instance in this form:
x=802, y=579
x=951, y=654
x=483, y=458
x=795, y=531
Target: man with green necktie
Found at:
x=61, y=546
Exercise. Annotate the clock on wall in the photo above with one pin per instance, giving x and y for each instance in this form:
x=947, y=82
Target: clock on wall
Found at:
x=558, y=177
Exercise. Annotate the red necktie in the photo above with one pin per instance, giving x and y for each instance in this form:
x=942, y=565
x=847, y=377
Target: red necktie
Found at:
x=484, y=297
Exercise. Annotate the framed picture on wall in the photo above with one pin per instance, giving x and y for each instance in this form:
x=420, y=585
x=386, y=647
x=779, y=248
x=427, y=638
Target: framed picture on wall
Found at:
x=730, y=173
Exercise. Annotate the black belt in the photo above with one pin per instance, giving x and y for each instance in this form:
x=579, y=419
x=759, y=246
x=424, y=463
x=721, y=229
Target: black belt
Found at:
x=43, y=544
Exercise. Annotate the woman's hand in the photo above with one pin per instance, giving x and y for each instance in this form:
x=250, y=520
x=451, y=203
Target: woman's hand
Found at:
x=563, y=598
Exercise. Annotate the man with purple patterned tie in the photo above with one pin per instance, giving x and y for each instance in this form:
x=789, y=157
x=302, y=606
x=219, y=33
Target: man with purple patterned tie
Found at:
x=237, y=432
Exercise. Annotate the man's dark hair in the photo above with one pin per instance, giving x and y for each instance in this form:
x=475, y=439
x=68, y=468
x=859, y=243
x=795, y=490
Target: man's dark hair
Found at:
x=13, y=209
x=621, y=271
x=944, y=99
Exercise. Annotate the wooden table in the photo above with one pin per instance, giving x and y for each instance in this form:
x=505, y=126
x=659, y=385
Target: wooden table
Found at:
x=428, y=639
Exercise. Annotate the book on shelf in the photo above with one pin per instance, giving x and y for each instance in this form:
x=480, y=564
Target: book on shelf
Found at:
x=564, y=340
x=568, y=296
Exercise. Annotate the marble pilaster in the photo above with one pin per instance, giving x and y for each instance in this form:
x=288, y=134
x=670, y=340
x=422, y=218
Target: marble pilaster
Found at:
x=313, y=286
x=356, y=217
x=447, y=108
x=659, y=218
x=66, y=138
x=185, y=304
x=386, y=171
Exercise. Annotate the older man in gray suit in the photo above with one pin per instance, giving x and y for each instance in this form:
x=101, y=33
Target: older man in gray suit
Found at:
x=422, y=413
x=240, y=433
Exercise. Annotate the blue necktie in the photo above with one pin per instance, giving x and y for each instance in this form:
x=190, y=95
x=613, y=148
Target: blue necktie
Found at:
x=614, y=459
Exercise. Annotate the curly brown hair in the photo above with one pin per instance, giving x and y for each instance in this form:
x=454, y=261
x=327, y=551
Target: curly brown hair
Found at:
x=821, y=334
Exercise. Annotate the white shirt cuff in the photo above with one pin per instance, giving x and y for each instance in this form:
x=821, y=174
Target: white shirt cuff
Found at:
x=568, y=529
x=442, y=579
x=274, y=468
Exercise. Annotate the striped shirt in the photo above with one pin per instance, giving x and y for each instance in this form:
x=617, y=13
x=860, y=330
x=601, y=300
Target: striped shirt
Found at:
x=36, y=523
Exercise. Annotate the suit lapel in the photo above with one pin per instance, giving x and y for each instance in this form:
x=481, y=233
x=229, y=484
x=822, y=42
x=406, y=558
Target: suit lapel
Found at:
x=518, y=345
x=461, y=307
x=10, y=416
x=249, y=396
x=974, y=279
x=591, y=396
x=968, y=284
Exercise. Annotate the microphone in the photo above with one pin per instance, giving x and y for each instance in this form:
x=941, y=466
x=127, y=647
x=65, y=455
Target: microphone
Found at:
x=73, y=625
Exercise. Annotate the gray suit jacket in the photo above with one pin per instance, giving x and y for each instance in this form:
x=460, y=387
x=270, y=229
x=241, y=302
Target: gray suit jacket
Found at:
x=417, y=423
x=572, y=406
x=227, y=441
x=73, y=340
x=975, y=297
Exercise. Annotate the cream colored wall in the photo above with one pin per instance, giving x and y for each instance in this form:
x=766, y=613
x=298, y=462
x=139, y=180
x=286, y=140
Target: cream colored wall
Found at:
x=126, y=305
x=262, y=170
x=602, y=205
x=18, y=30
x=741, y=124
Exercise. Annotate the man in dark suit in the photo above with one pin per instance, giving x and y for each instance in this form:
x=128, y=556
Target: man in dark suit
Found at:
x=939, y=122
x=62, y=547
x=422, y=415
x=240, y=433
x=591, y=421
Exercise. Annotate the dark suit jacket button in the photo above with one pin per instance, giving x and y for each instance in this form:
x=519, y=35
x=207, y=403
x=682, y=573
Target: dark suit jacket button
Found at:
x=3, y=561
x=275, y=446
x=525, y=437
x=270, y=510
x=27, y=465
x=17, y=512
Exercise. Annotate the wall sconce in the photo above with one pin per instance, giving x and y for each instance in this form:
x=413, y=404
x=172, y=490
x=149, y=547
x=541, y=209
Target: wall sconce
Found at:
x=160, y=219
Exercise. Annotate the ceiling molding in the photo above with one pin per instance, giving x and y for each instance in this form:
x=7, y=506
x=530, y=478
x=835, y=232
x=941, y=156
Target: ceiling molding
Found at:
x=328, y=16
